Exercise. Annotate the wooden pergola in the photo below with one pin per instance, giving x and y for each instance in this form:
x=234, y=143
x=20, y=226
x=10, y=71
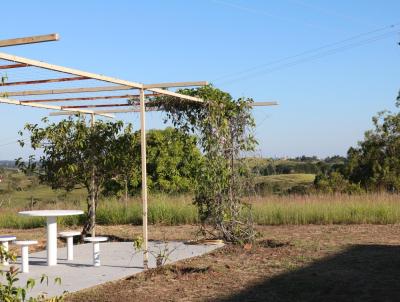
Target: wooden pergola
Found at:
x=61, y=91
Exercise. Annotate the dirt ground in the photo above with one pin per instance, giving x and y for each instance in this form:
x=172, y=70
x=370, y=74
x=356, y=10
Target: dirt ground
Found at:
x=290, y=263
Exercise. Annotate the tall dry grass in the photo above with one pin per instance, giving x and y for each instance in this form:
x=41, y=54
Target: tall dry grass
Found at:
x=270, y=210
x=327, y=209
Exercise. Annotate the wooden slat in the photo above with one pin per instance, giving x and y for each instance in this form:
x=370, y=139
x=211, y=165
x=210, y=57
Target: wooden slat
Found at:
x=10, y=66
x=255, y=104
x=29, y=40
x=63, y=91
x=43, y=106
x=132, y=110
x=138, y=110
x=97, y=106
x=77, y=72
x=45, y=81
x=177, y=95
x=176, y=84
x=125, y=96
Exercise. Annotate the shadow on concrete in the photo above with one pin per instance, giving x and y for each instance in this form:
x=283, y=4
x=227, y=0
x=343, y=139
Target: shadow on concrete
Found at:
x=40, y=261
x=360, y=273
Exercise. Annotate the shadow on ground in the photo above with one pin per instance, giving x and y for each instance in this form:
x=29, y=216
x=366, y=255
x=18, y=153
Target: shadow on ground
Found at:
x=359, y=273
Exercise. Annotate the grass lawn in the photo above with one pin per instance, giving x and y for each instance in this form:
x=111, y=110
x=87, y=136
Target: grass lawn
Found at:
x=290, y=263
x=288, y=180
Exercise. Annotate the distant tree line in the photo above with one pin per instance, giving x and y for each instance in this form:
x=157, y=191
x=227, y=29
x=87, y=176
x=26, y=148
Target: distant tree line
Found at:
x=372, y=166
x=304, y=164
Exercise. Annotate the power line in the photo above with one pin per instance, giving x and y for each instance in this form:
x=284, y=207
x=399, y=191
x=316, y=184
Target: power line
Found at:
x=13, y=142
x=265, y=13
x=328, y=12
x=309, y=51
x=306, y=59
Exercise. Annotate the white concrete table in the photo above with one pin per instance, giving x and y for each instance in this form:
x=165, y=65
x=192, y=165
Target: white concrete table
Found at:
x=51, y=216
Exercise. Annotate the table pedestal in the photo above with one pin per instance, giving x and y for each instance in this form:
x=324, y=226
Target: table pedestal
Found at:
x=51, y=240
x=5, y=249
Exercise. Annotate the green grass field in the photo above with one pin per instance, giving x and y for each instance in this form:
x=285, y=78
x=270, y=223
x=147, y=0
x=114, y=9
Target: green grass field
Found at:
x=174, y=210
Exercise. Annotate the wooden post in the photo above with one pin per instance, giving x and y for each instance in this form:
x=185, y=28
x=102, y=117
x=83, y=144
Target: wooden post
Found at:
x=144, y=176
x=126, y=193
x=93, y=214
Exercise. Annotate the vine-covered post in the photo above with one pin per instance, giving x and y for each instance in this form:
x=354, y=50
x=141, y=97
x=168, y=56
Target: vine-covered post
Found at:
x=144, y=175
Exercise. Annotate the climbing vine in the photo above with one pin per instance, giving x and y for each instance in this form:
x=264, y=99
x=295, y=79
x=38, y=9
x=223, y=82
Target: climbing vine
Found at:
x=224, y=128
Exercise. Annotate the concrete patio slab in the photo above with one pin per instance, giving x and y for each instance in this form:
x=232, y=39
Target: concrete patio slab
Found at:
x=118, y=260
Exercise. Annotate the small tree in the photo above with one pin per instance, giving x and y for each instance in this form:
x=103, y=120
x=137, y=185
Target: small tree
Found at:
x=76, y=155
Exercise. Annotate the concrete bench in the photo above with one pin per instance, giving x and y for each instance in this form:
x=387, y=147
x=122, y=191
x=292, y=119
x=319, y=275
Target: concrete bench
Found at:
x=5, y=239
x=69, y=235
x=24, y=244
x=96, y=248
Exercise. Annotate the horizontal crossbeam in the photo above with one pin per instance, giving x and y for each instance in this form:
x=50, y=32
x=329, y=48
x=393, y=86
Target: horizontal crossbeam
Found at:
x=43, y=106
x=103, y=111
x=11, y=66
x=175, y=84
x=255, y=104
x=29, y=40
x=177, y=95
x=33, y=82
x=97, y=106
x=67, y=90
x=107, y=97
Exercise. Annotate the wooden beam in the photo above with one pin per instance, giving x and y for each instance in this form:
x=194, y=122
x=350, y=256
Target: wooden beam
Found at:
x=147, y=109
x=44, y=81
x=255, y=104
x=124, y=110
x=29, y=40
x=77, y=72
x=97, y=106
x=43, y=106
x=63, y=91
x=176, y=84
x=177, y=95
x=132, y=110
x=13, y=66
x=108, y=97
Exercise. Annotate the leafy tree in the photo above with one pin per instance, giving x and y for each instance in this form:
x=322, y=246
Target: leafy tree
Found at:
x=76, y=155
x=375, y=163
x=173, y=161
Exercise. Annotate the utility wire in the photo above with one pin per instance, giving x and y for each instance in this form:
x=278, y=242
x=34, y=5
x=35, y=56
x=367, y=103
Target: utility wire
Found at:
x=265, y=13
x=13, y=142
x=303, y=60
x=329, y=12
x=309, y=51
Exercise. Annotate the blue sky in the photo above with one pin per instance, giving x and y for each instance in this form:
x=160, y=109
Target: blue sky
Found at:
x=326, y=101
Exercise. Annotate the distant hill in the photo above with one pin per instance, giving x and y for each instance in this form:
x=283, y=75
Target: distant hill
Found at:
x=10, y=164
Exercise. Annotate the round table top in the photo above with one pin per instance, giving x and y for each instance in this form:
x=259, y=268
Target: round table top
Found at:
x=51, y=213
x=5, y=238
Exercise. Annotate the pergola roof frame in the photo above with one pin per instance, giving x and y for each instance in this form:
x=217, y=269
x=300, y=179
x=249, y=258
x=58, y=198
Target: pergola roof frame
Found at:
x=94, y=76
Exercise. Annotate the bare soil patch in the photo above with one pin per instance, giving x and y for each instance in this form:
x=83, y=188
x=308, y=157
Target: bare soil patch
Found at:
x=290, y=263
